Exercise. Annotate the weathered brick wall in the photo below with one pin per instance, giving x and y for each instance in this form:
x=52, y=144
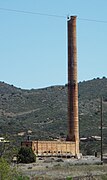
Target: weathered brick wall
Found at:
x=54, y=147
x=43, y=148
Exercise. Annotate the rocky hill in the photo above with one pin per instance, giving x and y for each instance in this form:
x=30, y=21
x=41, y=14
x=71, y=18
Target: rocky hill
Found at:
x=42, y=113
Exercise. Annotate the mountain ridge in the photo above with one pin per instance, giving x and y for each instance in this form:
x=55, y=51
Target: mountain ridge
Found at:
x=43, y=112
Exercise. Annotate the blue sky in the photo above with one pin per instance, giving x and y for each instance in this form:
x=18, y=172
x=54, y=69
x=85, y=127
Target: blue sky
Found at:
x=33, y=48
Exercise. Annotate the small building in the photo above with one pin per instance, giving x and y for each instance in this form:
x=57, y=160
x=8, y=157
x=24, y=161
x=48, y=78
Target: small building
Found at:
x=52, y=148
x=2, y=140
x=21, y=133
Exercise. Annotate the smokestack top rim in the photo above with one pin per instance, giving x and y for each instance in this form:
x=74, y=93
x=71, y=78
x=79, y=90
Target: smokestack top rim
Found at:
x=71, y=17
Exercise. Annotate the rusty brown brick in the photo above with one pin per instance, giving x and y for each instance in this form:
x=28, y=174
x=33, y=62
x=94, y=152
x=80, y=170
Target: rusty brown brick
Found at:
x=73, y=129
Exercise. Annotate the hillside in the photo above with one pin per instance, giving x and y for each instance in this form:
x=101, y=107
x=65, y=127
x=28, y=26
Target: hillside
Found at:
x=42, y=113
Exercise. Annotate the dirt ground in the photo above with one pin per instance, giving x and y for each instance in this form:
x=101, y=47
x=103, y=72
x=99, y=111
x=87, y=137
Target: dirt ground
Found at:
x=86, y=168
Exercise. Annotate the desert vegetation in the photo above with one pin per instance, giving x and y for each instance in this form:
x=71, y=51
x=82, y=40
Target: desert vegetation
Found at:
x=42, y=113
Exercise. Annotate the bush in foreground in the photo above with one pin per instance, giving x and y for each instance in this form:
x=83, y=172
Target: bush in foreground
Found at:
x=9, y=173
x=26, y=155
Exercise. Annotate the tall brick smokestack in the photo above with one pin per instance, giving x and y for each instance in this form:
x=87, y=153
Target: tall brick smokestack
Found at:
x=73, y=129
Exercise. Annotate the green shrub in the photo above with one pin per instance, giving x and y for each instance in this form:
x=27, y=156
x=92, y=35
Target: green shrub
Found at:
x=9, y=173
x=26, y=155
x=21, y=177
x=4, y=169
x=69, y=178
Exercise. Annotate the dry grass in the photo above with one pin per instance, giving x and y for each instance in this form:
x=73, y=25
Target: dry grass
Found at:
x=64, y=170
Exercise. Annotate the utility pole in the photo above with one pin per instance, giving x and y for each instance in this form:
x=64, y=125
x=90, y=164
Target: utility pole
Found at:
x=101, y=130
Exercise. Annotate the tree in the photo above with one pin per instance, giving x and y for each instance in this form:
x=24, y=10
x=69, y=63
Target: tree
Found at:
x=7, y=172
x=4, y=146
x=4, y=169
x=26, y=155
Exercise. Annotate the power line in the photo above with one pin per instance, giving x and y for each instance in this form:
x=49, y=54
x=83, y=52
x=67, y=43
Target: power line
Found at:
x=33, y=13
x=92, y=20
x=50, y=15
